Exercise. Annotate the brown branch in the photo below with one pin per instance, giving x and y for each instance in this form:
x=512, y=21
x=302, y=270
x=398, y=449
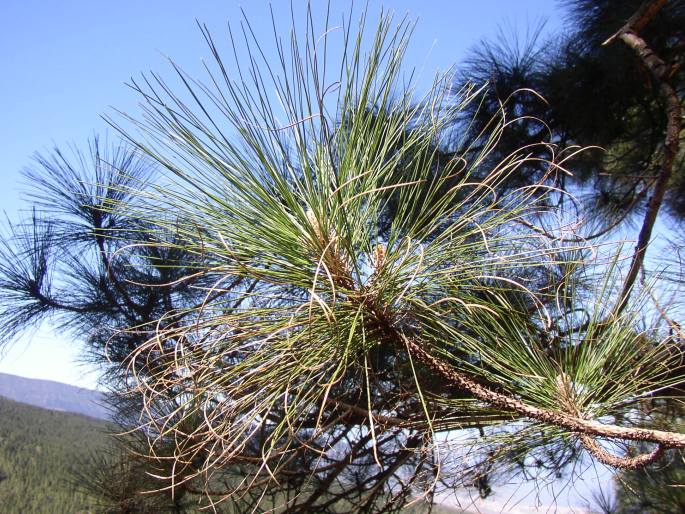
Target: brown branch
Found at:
x=661, y=73
x=607, y=458
x=567, y=397
x=510, y=403
x=639, y=19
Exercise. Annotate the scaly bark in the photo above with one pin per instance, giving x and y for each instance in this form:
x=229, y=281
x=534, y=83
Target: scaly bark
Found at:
x=660, y=72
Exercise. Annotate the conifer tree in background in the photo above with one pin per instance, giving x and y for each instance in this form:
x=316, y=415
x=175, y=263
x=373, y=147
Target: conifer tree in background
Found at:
x=323, y=285
x=64, y=263
x=614, y=79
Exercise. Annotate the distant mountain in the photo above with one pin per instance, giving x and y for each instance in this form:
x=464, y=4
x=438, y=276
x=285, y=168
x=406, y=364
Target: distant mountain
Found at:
x=53, y=395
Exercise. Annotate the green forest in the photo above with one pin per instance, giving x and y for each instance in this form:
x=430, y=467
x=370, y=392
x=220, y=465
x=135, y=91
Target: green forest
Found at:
x=42, y=453
x=38, y=449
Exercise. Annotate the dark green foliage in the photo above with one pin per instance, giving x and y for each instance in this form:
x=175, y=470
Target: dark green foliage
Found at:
x=82, y=260
x=596, y=95
x=63, y=260
x=38, y=448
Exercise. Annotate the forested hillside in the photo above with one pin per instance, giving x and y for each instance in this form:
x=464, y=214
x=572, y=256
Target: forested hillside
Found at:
x=37, y=449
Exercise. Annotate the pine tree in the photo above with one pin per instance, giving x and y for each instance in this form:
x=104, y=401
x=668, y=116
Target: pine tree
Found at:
x=312, y=298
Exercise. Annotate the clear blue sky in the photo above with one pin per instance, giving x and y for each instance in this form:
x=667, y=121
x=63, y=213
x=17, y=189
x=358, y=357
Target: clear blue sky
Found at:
x=64, y=64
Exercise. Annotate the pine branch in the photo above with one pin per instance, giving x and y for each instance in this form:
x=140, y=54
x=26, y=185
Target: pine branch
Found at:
x=660, y=72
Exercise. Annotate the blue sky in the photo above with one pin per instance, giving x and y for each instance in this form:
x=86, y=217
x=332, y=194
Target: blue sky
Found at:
x=64, y=65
